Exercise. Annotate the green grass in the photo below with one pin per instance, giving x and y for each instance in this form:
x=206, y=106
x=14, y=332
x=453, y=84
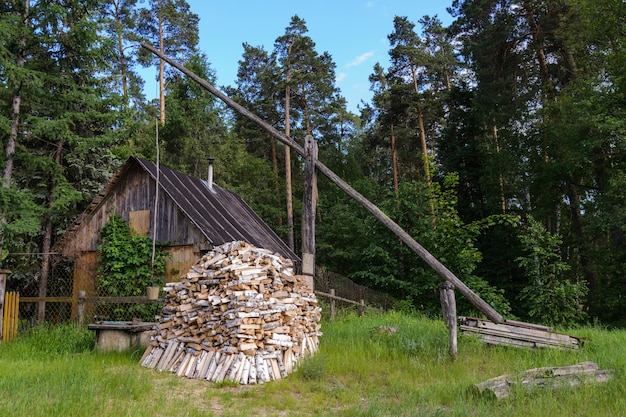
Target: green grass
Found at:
x=357, y=372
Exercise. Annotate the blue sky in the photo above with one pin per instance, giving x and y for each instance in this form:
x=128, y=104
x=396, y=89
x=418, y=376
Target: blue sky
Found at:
x=353, y=32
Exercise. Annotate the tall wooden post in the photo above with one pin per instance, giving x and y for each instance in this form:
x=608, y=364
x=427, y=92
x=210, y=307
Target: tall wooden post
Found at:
x=309, y=202
x=3, y=283
x=80, y=307
x=448, y=306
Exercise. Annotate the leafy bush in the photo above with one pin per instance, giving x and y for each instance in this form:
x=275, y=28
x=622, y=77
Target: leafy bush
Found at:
x=550, y=297
x=431, y=217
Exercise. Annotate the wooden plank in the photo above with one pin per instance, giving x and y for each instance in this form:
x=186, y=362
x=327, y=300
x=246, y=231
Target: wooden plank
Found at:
x=525, y=334
x=517, y=335
x=139, y=221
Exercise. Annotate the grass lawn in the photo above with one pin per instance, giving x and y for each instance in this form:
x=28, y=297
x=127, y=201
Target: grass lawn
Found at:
x=357, y=372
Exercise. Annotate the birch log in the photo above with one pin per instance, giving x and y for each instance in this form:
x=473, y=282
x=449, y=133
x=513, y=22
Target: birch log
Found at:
x=239, y=314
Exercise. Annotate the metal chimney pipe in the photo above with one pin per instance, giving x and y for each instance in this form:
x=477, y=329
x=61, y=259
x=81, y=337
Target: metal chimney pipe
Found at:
x=210, y=173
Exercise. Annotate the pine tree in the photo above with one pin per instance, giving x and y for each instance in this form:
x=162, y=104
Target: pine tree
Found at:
x=173, y=29
x=120, y=24
x=64, y=138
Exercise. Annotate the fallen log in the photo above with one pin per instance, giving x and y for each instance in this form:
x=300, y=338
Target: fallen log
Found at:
x=542, y=378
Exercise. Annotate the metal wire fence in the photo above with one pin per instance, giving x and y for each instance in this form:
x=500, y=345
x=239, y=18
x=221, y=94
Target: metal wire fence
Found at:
x=51, y=303
x=61, y=301
x=343, y=287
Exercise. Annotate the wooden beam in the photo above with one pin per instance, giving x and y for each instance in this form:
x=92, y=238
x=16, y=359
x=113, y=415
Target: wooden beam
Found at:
x=309, y=202
x=434, y=263
x=3, y=282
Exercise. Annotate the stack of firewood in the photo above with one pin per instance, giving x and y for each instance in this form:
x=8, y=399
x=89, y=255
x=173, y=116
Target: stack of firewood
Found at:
x=240, y=314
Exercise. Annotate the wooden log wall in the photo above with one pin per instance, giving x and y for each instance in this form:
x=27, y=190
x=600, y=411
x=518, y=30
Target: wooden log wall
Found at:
x=240, y=314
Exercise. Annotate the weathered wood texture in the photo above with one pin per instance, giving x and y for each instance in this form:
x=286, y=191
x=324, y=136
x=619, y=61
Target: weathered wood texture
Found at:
x=3, y=282
x=309, y=203
x=448, y=306
x=240, y=314
x=548, y=377
x=10, y=316
x=134, y=191
x=434, y=263
x=518, y=334
x=85, y=273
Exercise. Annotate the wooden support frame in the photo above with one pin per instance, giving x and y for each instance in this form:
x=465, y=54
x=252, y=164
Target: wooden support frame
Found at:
x=309, y=203
x=448, y=306
x=3, y=283
x=433, y=262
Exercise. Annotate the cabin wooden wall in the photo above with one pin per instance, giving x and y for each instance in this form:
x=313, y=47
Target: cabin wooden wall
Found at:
x=85, y=278
x=135, y=192
x=86, y=272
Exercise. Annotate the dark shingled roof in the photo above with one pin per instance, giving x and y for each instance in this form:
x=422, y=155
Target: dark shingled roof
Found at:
x=221, y=215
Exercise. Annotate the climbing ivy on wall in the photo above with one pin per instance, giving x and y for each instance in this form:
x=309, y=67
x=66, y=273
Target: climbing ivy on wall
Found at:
x=125, y=266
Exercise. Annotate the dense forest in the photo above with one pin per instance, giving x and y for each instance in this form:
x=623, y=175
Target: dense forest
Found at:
x=498, y=142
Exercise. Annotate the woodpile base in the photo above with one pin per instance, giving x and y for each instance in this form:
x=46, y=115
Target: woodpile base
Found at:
x=240, y=314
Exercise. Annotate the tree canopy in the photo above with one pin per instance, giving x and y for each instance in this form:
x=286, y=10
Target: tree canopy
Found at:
x=497, y=141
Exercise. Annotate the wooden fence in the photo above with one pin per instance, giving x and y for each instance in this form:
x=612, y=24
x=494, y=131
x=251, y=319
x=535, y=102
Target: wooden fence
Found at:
x=10, y=315
x=9, y=325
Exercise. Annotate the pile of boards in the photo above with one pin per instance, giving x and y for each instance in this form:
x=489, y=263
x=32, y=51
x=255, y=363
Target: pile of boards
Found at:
x=240, y=314
x=518, y=334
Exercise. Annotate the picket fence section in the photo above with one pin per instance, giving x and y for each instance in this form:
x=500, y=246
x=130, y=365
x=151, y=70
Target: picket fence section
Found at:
x=10, y=317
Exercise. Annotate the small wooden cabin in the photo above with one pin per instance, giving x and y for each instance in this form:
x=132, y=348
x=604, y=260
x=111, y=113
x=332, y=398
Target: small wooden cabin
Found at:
x=192, y=216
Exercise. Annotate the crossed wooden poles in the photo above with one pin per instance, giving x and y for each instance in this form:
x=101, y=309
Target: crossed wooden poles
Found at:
x=434, y=263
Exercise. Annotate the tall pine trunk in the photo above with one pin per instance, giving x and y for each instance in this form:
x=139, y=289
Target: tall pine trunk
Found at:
x=549, y=91
x=120, y=47
x=161, y=71
x=16, y=104
x=46, y=245
x=288, y=186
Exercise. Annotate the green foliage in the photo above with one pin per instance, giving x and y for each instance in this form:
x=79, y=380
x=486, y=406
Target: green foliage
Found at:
x=550, y=297
x=388, y=264
x=125, y=266
x=313, y=367
x=20, y=211
x=62, y=339
x=358, y=372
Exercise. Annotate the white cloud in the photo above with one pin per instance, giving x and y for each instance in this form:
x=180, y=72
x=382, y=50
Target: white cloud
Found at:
x=360, y=59
x=340, y=77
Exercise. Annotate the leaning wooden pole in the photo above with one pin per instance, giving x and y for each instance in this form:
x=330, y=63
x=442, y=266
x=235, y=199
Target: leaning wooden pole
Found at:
x=434, y=263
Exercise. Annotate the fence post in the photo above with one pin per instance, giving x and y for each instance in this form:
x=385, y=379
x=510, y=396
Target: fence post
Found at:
x=361, y=307
x=448, y=307
x=332, y=304
x=80, y=307
x=3, y=283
